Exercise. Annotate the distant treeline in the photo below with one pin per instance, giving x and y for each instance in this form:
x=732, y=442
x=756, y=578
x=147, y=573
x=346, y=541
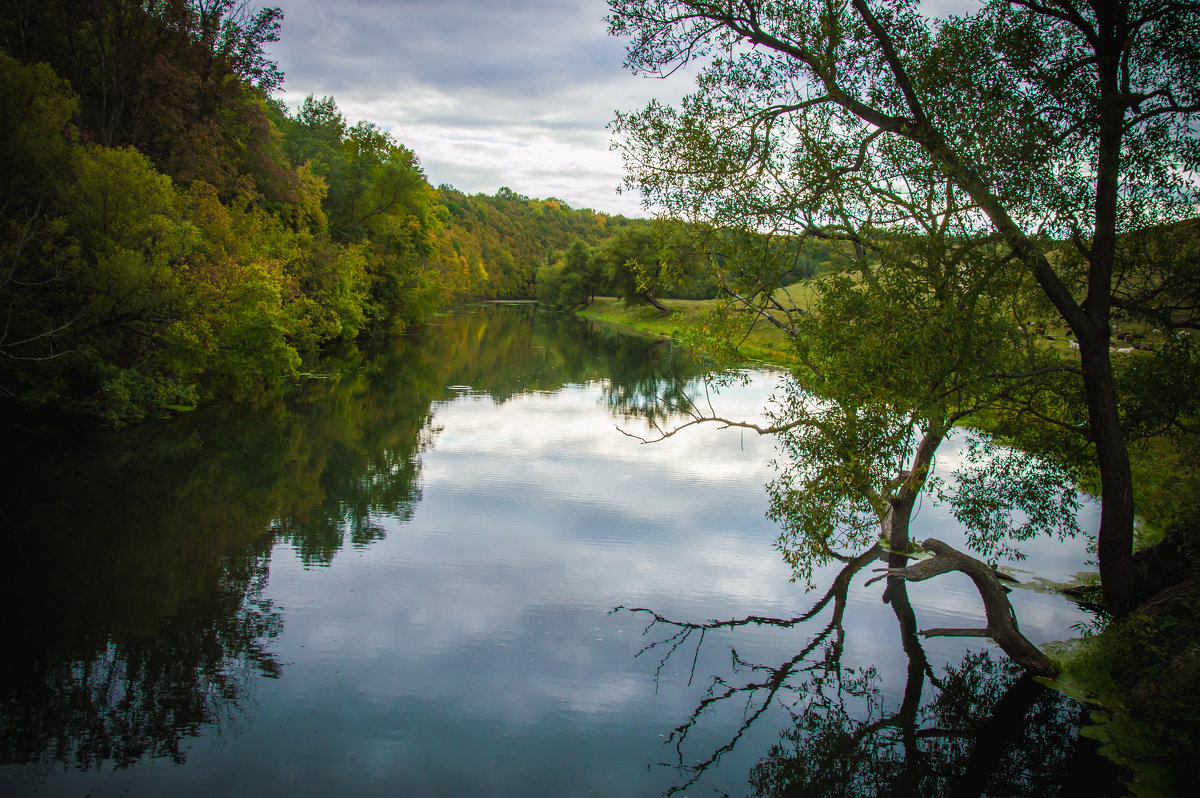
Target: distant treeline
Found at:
x=642, y=262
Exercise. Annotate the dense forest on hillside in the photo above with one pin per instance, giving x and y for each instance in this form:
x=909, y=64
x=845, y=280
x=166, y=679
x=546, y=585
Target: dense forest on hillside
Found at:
x=172, y=233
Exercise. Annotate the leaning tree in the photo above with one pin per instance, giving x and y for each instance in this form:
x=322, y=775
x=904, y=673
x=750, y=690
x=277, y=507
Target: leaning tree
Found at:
x=1061, y=126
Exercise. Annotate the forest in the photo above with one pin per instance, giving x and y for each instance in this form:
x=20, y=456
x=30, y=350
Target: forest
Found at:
x=174, y=234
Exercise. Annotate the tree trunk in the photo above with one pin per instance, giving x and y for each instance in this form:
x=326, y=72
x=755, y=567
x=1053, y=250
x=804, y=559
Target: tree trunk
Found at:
x=1001, y=620
x=896, y=525
x=1115, y=537
x=900, y=506
x=663, y=309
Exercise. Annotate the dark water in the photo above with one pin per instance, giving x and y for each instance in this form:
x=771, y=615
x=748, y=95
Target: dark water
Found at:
x=400, y=579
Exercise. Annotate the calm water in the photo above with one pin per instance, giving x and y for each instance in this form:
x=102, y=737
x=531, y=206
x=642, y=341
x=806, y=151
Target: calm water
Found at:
x=401, y=578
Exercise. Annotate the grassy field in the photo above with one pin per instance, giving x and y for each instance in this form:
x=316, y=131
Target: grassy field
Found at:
x=764, y=343
x=768, y=344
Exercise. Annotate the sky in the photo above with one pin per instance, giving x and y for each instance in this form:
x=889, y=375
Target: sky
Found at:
x=488, y=93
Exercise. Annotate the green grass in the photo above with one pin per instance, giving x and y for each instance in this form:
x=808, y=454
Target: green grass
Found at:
x=764, y=343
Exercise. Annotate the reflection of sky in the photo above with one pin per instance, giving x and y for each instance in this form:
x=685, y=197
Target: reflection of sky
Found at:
x=471, y=651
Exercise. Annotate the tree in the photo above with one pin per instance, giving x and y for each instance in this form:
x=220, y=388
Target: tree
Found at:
x=571, y=281
x=1059, y=125
x=35, y=252
x=633, y=258
x=382, y=217
x=920, y=336
x=315, y=132
x=508, y=237
x=183, y=81
x=162, y=243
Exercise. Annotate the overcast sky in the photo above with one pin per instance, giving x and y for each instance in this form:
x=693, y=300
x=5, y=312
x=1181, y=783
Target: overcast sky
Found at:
x=488, y=93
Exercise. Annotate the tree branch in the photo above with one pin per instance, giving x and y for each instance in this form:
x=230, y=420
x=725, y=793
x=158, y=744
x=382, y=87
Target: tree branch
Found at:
x=1002, y=624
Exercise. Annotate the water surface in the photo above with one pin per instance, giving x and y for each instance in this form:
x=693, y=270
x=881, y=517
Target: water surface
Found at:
x=401, y=577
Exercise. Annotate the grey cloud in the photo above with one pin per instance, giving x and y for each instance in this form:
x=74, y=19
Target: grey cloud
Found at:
x=446, y=75
x=450, y=76
x=519, y=49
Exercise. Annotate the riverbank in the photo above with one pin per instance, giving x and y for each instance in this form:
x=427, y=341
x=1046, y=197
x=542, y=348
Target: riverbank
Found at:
x=688, y=320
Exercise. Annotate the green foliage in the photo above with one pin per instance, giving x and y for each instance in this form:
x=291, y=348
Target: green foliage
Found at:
x=1144, y=673
x=196, y=261
x=1005, y=495
x=183, y=82
x=329, y=291
x=631, y=260
x=36, y=249
x=573, y=280
x=837, y=465
x=1166, y=483
x=510, y=242
x=377, y=205
x=34, y=122
x=175, y=288
x=129, y=395
x=199, y=260
x=1158, y=389
x=644, y=263
x=917, y=338
x=233, y=332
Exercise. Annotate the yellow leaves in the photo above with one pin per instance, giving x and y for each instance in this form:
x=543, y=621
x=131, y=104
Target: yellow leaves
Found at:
x=204, y=209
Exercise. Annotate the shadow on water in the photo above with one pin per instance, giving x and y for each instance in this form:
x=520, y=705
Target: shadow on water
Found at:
x=980, y=726
x=140, y=557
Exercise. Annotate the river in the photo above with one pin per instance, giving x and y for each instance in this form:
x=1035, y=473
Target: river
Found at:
x=445, y=567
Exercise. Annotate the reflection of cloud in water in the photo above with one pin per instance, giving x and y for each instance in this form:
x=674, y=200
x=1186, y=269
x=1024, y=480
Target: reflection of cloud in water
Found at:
x=521, y=539
x=567, y=430
x=483, y=621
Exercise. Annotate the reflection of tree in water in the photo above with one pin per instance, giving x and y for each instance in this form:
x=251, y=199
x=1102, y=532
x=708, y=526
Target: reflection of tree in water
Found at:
x=990, y=729
x=355, y=443
x=510, y=351
x=362, y=442
x=985, y=728
x=130, y=699
x=665, y=397
x=139, y=602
